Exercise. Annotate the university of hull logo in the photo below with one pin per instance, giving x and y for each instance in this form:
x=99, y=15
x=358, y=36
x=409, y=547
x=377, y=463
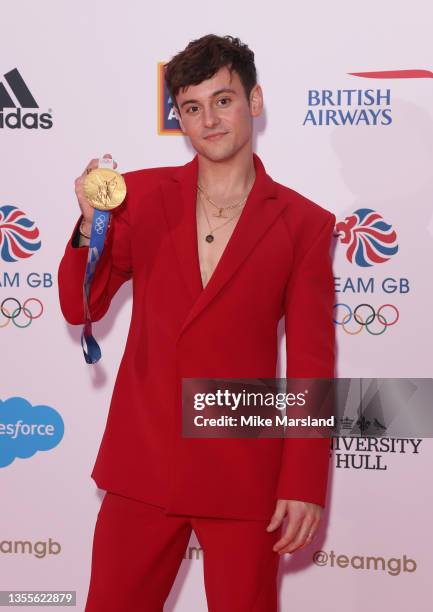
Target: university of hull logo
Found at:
x=16, y=119
x=369, y=239
x=167, y=122
x=19, y=236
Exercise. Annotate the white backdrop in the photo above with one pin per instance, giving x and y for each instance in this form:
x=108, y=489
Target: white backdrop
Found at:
x=92, y=66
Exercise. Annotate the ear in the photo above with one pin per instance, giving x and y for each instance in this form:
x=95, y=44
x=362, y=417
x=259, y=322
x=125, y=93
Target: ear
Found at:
x=256, y=101
x=178, y=117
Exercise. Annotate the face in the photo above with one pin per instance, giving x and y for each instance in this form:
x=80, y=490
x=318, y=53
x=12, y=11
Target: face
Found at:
x=216, y=115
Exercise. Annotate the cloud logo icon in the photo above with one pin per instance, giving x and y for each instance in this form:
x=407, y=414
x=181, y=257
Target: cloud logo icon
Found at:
x=27, y=429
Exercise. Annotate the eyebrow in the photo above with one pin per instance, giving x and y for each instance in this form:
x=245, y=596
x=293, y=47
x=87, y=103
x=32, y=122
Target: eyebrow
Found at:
x=215, y=93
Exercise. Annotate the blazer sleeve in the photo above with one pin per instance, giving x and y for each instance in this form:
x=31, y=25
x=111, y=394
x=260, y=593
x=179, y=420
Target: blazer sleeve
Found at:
x=112, y=270
x=310, y=348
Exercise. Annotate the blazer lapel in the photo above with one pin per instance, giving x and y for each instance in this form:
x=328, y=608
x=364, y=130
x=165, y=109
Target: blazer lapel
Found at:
x=260, y=211
x=179, y=199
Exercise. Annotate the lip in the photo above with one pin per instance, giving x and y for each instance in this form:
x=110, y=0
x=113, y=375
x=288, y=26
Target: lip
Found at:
x=215, y=136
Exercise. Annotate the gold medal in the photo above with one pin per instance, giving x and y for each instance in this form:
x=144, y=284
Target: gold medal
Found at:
x=104, y=188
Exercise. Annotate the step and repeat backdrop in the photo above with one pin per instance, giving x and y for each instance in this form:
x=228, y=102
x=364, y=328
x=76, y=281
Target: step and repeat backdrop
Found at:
x=348, y=94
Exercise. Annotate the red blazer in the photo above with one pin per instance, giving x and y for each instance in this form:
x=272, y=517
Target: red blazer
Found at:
x=276, y=263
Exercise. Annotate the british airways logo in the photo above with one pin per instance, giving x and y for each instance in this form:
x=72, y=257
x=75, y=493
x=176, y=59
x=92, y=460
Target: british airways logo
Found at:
x=354, y=106
x=395, y=74
x=348, y=107
x=369, y=238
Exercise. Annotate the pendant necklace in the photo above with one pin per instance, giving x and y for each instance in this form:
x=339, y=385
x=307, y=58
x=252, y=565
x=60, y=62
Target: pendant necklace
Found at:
x=210, y=237
x=221, y=208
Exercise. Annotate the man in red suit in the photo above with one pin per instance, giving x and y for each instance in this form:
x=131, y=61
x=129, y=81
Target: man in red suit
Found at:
x=218, y=253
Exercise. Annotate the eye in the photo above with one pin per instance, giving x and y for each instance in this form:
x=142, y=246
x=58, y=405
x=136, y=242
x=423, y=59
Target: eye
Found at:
x=191, y=110
x=226, y=101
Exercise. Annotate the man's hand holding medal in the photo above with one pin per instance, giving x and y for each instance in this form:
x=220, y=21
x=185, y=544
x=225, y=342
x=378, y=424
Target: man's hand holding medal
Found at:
x=99, y=190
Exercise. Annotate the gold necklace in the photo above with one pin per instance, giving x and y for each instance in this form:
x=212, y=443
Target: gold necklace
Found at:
x=210, y=237
x=221, y=208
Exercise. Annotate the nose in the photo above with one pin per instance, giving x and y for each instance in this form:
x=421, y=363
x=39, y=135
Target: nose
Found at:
x=210, y=117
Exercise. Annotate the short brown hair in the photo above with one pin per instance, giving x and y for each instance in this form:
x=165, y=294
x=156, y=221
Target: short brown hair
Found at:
x=203, y=57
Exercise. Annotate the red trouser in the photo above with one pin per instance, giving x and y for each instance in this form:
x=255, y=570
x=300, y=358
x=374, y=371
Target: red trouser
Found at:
x=137, y=551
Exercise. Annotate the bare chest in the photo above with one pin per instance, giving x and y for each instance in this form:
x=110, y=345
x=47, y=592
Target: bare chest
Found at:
x=209, y=253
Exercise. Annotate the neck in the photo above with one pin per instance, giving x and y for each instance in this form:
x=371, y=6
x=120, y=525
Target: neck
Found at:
x=229, y=178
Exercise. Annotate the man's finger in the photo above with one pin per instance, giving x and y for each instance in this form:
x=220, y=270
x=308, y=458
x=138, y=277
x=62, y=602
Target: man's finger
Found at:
x=277, y=517
x=94, y=163
x=90, y=166
x=109, y=156
x=310, y=536
x=299, y=539
x=292, y=530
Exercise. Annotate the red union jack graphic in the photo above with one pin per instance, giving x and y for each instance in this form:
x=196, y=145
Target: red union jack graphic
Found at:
x=369, y=238
x=19, y=236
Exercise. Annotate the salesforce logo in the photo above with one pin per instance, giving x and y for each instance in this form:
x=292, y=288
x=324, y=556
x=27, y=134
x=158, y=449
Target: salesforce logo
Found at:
x=27, y=429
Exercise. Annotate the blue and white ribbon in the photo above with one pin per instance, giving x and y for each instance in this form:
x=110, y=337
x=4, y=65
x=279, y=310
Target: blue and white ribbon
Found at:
x=100, y=221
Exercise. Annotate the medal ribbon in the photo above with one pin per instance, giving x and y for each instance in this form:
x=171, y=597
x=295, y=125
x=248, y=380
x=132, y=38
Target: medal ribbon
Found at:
x=100, y=221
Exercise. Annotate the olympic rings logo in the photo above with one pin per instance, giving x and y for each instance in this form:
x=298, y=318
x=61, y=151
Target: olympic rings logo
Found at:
x=358, y=315
x=12, y=315
x=99, y=224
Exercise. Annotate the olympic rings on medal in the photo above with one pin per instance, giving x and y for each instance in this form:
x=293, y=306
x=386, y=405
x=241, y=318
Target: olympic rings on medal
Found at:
x=8, y=316
x=371, y=316
x=99, y=224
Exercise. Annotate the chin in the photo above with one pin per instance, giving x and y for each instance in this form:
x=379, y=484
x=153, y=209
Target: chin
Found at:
x=217, y=155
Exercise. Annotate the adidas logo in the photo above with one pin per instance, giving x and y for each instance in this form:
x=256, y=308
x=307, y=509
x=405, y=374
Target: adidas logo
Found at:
x=16, y=119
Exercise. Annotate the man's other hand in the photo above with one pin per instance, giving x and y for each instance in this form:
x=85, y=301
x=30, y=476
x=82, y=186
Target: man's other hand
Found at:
x=303, y=521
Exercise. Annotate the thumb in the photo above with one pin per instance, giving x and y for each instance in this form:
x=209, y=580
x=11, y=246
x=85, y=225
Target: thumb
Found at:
x=278, y=516
x=109, y=156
